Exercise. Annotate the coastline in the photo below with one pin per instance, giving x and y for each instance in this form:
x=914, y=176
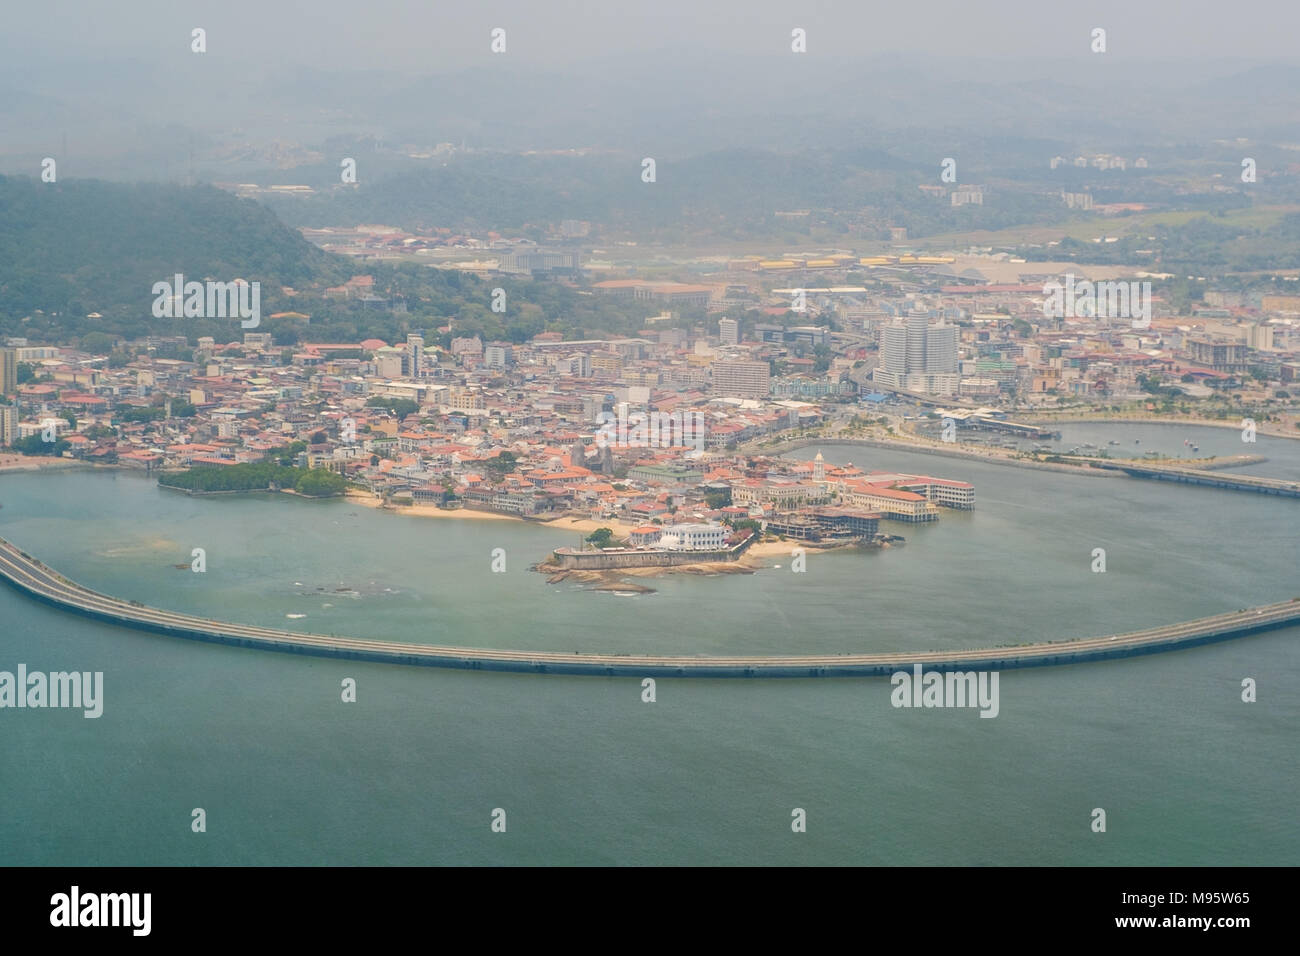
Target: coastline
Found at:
x=11, y=462
x=425, y=511
x=759, y=555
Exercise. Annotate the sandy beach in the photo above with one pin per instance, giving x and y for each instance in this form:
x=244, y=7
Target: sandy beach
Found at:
x=621, y=529
x=427, y=511
x=11, y=462
x=572, y=525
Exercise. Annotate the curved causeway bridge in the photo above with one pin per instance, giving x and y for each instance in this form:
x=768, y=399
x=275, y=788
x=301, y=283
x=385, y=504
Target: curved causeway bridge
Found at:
x=30, y=576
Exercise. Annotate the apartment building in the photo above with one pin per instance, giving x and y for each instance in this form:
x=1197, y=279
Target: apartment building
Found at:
x=742, y=379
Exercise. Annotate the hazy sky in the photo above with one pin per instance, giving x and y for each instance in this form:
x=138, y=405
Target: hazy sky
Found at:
x=114, y=86
x=431, y=35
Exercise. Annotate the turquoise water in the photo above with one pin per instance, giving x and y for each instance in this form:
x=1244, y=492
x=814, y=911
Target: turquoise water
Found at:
x=710, y=772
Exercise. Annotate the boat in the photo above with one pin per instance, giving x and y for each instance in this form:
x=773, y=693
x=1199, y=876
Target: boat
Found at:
x=1196, y=448
x=1113, y=441
x=1137, y=441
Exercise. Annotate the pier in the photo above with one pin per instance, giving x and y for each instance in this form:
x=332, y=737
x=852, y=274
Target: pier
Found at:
x=30, y=576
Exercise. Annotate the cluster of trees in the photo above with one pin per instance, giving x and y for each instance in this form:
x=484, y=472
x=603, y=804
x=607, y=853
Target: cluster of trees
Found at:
x=63, y=248
x=320, y=483
x=1152, y=385
x=1204, y=245
x=136, y=413
x=718, y=499
x=35, y=445
x=502, y=464
x=401, y=407
x=257, y=476
x=286, y=455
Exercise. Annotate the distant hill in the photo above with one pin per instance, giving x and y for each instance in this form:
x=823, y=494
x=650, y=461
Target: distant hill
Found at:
x=70, y=249
x=85, y=246
x=724, y=195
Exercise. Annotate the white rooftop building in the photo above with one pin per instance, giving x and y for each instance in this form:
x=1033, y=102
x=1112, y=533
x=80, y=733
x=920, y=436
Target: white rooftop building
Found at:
x=693, y=537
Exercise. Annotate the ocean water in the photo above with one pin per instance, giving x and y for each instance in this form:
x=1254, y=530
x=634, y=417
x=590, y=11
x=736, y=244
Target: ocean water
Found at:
x=586, y=772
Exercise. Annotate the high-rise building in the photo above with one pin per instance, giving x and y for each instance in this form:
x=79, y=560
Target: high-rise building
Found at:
x=578, y=365
x=499, y=355
x=8, y=424
x=415, y=353
x=917, y=356
x=742, y=379
x=729, y=331
x=1259, y=335
x=941, y=349
x=893, y=349
x=8, y=371
x=917, y=323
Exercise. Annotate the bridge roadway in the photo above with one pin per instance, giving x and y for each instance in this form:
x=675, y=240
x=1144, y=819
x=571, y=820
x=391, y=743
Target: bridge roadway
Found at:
x=46, y=585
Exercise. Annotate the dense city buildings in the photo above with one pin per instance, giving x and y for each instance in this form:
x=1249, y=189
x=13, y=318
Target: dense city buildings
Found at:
x=662, y=432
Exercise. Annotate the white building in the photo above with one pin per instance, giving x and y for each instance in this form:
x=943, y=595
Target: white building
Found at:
x=917, y=356
x=388, y=362
x=693, y=537
x=499, y=355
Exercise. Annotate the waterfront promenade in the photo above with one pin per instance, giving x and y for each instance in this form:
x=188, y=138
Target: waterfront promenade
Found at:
x=44, y=584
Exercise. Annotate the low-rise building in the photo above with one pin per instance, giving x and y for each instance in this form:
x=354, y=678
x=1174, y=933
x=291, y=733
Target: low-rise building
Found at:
x=693, y=537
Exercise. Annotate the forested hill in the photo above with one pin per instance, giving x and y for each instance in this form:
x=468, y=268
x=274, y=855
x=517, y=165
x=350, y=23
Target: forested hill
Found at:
x=727, y=195
x=85, y=246
x=72, y=249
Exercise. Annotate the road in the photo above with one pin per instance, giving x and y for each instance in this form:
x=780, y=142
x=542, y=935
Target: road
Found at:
x=31, y=576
